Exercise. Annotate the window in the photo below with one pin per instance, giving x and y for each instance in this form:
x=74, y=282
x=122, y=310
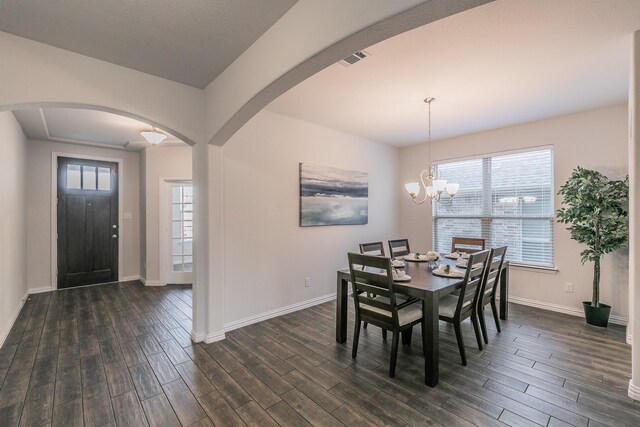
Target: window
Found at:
x=507, y=199
x=182, y=230
x=88, y=179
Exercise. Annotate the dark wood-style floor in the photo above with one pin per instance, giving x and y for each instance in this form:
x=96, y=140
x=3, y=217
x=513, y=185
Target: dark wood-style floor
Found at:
x=121, y=355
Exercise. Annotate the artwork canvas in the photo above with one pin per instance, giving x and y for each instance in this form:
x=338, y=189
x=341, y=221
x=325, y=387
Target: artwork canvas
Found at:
x=332, y=196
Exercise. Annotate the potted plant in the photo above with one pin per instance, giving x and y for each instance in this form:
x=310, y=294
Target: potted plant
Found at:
x=595, y=209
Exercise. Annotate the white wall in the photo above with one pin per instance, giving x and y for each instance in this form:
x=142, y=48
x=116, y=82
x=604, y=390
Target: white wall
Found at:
x=596, y=140
x=39, y=208
x=168, y=162
x=267, y=255
x=13, y=227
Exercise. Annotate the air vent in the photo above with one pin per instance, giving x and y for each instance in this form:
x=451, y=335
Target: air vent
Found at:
x=353, y=58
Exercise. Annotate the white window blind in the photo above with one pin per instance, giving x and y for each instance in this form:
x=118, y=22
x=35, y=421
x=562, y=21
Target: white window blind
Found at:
x=507, y=199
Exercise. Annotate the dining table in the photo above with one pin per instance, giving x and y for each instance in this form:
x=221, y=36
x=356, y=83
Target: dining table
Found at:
x=429, y=288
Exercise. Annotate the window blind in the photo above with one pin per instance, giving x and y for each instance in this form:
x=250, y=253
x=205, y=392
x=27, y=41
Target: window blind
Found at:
x=507, y=199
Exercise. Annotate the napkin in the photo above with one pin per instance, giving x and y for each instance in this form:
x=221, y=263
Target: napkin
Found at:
x=399, y=274
x=453, y=272
x=398, y=263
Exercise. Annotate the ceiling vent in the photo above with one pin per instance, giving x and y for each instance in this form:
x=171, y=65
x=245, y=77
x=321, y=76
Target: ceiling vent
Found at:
x=353, y=58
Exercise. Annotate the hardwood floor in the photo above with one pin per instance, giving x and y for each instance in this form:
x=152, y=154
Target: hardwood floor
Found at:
x=121, y=355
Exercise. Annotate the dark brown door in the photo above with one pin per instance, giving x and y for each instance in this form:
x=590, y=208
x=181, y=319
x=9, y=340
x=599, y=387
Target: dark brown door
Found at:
x=88, y=228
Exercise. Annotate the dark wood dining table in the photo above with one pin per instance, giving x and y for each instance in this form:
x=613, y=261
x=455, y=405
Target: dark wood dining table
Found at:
x=429, y=288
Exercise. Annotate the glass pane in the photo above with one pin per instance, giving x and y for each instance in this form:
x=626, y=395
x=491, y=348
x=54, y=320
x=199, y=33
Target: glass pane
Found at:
x=187, y=247
x=176, y=194
x=468, y=200
x=447, y=228
x=73, y=176
x=187, y=208
x=88, y=177
x=104, y=179
x=177, y=229
x=187, y=194
x=187, y=231
x=176, y=247
x=188, y=216
x=188, y=264
x=177, y=263
x=176, y=212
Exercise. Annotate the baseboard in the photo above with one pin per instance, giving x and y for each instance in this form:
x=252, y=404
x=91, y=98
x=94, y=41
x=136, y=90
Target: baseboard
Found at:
x=197, y=337
x=39, y=290
x=629, y=337
x=213, y=337
x=617, y=320
x=131, y=278
x=149, y=282
x=5, y=333
x=634, y=391
x=277, y=312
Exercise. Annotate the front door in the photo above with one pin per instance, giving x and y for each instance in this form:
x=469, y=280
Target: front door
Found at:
x=87, y=222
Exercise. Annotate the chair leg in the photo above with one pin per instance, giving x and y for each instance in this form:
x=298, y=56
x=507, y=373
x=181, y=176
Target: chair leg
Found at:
x=356, y=337
x=409, y=335
x=365, y=325
x=494, y=308
x=394, y=354
x=463, y=356
x=384, y=334
x=483, y=324
x=476, y=328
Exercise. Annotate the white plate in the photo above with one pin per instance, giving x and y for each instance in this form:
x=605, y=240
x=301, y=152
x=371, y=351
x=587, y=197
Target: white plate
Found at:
x=397, y=263
x=404, y=278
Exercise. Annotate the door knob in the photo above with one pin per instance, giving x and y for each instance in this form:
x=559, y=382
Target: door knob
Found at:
x=115, y=236
x=114, y=226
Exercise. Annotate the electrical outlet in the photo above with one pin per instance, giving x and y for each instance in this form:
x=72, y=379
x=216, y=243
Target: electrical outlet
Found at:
x=307, y=282
x=568, y=287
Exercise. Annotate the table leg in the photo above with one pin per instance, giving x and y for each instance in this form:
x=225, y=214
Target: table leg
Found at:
x=430, y=339
x=341, y=309
x=504, y=294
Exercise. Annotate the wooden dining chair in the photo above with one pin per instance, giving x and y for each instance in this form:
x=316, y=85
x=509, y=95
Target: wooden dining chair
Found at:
x=467, y=245
x=373, y=248
x=456, y=308
x=488, y=288
x=399, y=247
x=383, y=310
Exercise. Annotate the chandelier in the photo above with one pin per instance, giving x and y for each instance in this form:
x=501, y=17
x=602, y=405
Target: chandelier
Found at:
x=433, y=188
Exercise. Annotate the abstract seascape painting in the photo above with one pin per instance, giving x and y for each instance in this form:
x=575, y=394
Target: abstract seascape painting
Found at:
x=331, y=196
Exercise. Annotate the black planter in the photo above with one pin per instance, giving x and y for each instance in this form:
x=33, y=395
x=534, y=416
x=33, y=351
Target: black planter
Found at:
x=596, y=316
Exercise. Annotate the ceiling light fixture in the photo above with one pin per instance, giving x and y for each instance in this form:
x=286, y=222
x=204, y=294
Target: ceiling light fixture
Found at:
x=433, y=187
x=153, y=137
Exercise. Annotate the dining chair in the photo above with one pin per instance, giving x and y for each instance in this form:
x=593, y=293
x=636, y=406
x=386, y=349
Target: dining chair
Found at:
x=467, y=245
x=489, y=287
x=373, y=248
x=399, y=247
x=456, y=308
x=383, y=310
x=376, y=249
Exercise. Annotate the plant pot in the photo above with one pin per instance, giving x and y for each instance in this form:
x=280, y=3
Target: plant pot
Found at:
x=596, y=316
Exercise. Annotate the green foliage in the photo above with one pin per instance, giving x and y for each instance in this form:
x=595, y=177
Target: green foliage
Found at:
x=595, y=209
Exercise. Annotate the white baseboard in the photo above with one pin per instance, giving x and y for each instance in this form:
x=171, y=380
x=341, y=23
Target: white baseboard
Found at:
x=634, y=391
x=213, y=337
x=39, y=290
x=5, y=333
x=629, y=336
x=197, y=336
x=149, y=282
x=131, y=278
x=277, y=312
x=618, y=320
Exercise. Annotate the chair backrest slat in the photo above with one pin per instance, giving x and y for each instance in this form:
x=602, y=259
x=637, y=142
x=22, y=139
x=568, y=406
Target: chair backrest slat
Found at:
x=492, y=273
x=373, y=248
x=471, y=285
x=372, y=275
x=467, y=244
x=399, y=247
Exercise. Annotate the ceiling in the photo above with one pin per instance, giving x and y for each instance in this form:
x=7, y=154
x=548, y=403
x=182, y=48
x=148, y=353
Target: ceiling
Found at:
x=504, y=63
x=86, y=127
x=187, y=42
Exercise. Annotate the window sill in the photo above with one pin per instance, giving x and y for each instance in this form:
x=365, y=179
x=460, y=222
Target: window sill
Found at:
x=533, y=268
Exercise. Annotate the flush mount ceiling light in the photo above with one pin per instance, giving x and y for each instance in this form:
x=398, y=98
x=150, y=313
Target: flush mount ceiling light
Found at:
x=432, y=186
x=153, y=137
